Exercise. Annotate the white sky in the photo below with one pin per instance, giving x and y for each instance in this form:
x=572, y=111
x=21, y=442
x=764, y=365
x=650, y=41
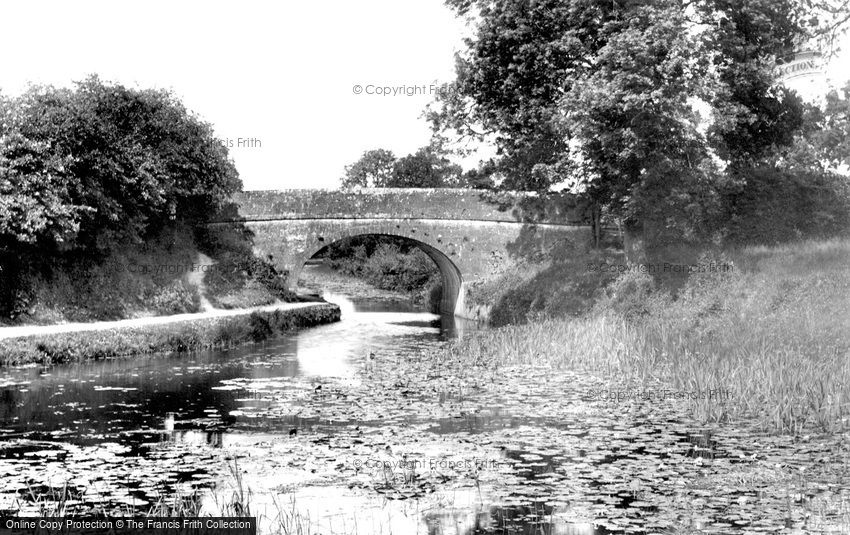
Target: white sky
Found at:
x=279, y=71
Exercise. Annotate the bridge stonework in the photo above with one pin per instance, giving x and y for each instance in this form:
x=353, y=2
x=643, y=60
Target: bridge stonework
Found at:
x=472, y=236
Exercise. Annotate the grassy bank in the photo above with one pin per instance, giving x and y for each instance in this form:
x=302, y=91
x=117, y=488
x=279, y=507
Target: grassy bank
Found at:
x=207, y=333
x=173, y=273
x=774, y=330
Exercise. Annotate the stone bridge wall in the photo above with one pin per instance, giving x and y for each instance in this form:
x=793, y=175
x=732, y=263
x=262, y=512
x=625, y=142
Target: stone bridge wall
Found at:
x=471, y=235
x=413, y=203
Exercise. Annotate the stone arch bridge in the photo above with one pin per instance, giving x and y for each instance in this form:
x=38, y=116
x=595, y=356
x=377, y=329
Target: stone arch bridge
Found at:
x=471, y=235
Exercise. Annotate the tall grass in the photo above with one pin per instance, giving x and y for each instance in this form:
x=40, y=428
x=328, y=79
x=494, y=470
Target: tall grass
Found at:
x=206, y=333
x=774, y=331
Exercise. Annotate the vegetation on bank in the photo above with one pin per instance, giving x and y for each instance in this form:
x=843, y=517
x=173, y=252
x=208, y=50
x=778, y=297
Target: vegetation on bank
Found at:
x=772, y=329
x=389, y=263
x=208, y=333
x=105, y=196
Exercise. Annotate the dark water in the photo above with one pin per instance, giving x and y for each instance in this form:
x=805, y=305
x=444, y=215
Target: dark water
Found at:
x=138, y=429
x=132, y=401
x=121, y=411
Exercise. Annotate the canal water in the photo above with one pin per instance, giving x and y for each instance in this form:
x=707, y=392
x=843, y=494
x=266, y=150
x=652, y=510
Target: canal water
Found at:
x=350, y=428
x=129, y=401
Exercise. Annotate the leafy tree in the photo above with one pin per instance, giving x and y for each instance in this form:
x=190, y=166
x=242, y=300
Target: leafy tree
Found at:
x=831, y=136
x=97, y=167
x=137, y=159
x=754, y=116
x=512, y=76
x=482, y=177
x=424, y=169
x=604, y=95
x=373, y=169
x=34, y=199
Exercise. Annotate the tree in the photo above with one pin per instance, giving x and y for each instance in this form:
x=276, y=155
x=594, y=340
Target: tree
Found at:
x=604, y=96
x=424, y=169
x=513, y=74
x=831, y=136
x=34, y=201
x=753, y=114
x=136, y=160
x=482, y=177
x=98, y=167
x=373, y=169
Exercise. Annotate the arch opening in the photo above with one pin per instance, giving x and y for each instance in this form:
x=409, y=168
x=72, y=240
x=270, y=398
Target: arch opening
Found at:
x=450, y=275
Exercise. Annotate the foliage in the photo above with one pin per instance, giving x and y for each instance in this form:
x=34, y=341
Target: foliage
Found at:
x=631, y=295
x=88, y=171
x=178, y=337
x=428, y=167
x=512, y=76
x=827, y=139
x=775, y=205
x=564, y=281
x=773, y=331
x=388, y=263
x=372, y=170
x=129, y=282
x=137, y=159
x=34, y=203
x=482, y=177
x=424, y=169
x=239, y=279
x=603, y=98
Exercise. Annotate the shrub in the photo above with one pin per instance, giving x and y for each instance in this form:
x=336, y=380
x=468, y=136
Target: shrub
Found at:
x=776, y=206
x=240, y=279
x=564, y=283
x=389, y=263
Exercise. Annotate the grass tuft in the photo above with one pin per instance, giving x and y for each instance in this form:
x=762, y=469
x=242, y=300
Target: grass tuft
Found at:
x=774, y=331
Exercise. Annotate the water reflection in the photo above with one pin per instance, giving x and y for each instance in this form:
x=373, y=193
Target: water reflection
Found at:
x=91, y=402
x=456, y=512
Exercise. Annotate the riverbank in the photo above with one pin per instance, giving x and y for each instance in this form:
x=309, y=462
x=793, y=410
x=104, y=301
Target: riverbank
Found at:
x=319, y=278
x=376, y=425
x=48, y=344
x=768, y=325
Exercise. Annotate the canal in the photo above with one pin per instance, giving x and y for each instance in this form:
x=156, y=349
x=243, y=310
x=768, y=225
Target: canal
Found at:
x=367, y=426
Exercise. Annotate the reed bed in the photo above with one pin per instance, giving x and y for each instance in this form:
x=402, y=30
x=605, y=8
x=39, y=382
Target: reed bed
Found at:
x=774, y=332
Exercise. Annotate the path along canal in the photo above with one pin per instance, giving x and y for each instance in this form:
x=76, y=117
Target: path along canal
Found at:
x=324, y=436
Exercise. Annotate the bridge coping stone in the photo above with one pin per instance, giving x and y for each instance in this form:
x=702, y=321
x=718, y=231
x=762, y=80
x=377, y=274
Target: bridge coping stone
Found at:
x=411, y=203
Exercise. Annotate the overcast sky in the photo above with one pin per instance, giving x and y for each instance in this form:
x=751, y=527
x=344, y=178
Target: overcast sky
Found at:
x=282, y=73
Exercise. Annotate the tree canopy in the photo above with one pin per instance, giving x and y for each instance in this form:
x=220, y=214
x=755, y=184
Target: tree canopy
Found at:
x=101, y=164
x=651, y=109
x=426, y=168
x=98, y=168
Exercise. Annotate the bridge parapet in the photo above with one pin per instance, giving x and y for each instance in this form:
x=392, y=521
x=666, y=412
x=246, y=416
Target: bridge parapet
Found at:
x=471, y=235
x=412, y=203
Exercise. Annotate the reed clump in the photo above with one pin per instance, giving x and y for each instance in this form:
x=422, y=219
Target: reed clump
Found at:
x=773, y=331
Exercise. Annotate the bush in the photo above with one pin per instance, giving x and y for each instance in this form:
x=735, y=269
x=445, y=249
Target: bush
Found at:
x=777, y=206
x=389, y=263
x=629, y=295
x=564, y=283
x=240, y=279
x=93, y=171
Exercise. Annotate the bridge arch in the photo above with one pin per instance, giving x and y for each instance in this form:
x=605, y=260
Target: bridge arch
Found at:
x=472, y=236
x=452, y=279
